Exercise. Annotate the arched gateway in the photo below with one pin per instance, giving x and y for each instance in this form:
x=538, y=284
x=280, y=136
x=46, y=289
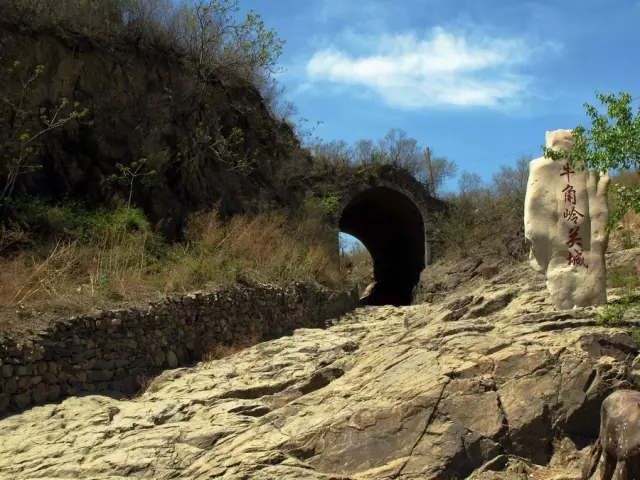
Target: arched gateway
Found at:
x=391, y=214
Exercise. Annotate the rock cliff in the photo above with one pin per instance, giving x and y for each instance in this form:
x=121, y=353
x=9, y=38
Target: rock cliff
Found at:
x=490, y=382
x=144, y=101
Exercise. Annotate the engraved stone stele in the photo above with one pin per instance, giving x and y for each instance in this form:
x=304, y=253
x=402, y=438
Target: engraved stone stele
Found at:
x=565, y=216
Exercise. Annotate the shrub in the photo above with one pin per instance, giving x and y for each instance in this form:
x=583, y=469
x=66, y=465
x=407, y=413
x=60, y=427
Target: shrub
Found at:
x=26, y=124
x=622, y=277
x=485, y=218
x=626, y=235
x=85, y=259
x=626, y=239
x=73, y=221
x=625, y=307
x=611, y=144
x=634, y=333
x=212, y=35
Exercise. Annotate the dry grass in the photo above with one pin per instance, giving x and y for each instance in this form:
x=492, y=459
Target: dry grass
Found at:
x=145, y=384
x=217, y=351
x=627, y=235
x=358, y=265
x=124, y=266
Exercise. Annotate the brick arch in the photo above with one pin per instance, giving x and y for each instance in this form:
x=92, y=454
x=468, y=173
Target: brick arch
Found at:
x=391, y=214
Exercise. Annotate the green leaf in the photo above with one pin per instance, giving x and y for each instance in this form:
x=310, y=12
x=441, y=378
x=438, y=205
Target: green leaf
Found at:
x=612, y=143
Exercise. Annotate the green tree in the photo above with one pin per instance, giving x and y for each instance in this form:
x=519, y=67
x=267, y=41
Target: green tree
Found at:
x=612, y=143
x=219, y=41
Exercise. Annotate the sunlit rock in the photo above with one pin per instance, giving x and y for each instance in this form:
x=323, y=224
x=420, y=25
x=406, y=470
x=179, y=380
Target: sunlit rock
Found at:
x=565, y=218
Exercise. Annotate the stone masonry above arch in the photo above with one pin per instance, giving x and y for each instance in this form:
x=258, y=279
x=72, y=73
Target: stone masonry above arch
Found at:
x=390, y=212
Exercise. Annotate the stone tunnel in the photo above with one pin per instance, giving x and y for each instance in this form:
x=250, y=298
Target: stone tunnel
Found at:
x=391, y=214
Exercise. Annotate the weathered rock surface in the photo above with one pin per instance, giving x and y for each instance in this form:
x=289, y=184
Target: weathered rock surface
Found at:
x=492, y=383
x=623, y=258
x=565, y=216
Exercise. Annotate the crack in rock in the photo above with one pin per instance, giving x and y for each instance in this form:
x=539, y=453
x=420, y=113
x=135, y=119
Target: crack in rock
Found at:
x=428, y=423
x=321, y=379
x=252, y=393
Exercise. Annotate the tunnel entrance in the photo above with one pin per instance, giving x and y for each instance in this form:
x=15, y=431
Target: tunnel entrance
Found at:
x=391, y=227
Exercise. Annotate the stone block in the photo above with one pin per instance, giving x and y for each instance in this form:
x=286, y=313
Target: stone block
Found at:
x=100, y=364
x=7, y=370
x=40, y=394
x=21, y=400
x=565, y=217
x=24, y=382
x=50, y=377
x=99, y=375
x=42, y=367
x=5, y=400
x=11, y=385
x=121, y=362
x=53, y=392
x=172, y=359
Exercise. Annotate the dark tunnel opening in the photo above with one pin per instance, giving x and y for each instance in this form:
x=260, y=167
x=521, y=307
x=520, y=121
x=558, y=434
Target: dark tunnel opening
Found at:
x=391, y=227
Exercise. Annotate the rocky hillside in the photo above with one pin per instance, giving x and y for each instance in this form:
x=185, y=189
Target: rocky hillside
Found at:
x=207, y=142
x=487, y=383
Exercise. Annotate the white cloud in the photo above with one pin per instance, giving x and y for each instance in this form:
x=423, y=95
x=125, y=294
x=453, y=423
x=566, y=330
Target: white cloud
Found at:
x=443, y=69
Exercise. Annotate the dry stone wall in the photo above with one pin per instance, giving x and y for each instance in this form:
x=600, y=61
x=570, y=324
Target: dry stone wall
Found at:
x=113, y=351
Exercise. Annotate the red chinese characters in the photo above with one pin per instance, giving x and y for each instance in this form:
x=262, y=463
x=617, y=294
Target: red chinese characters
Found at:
x=569, y=194
x=574, y=239
x=576, y=256
x=572, y=215
x=567, y=171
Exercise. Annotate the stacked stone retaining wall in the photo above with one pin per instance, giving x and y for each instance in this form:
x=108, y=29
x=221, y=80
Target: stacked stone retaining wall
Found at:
x=115, y=350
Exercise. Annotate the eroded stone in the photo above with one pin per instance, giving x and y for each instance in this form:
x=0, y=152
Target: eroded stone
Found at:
x=565, y=218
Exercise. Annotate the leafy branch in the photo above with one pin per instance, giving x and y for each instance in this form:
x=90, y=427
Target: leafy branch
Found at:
x=130, y=173
x=21, y=147
x=223, y=148
x=612, y=143
x=219, y=42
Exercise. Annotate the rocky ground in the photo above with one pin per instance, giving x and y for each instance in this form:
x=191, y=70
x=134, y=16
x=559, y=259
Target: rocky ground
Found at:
x=488, y=383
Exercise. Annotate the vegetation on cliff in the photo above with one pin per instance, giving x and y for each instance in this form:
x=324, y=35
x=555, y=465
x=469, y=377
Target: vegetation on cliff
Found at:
x=145, y=149
x=93, y=91
x=123, y=124
x=140, y=156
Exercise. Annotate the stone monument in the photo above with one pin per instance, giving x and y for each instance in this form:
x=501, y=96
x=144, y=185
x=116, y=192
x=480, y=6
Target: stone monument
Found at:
x=565, y=216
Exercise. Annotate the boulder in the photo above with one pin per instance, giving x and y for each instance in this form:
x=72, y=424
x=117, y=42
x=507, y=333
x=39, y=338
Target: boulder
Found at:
x=565, y=218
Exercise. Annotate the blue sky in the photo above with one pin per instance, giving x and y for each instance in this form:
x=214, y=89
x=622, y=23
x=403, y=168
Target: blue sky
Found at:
x=478, y=81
